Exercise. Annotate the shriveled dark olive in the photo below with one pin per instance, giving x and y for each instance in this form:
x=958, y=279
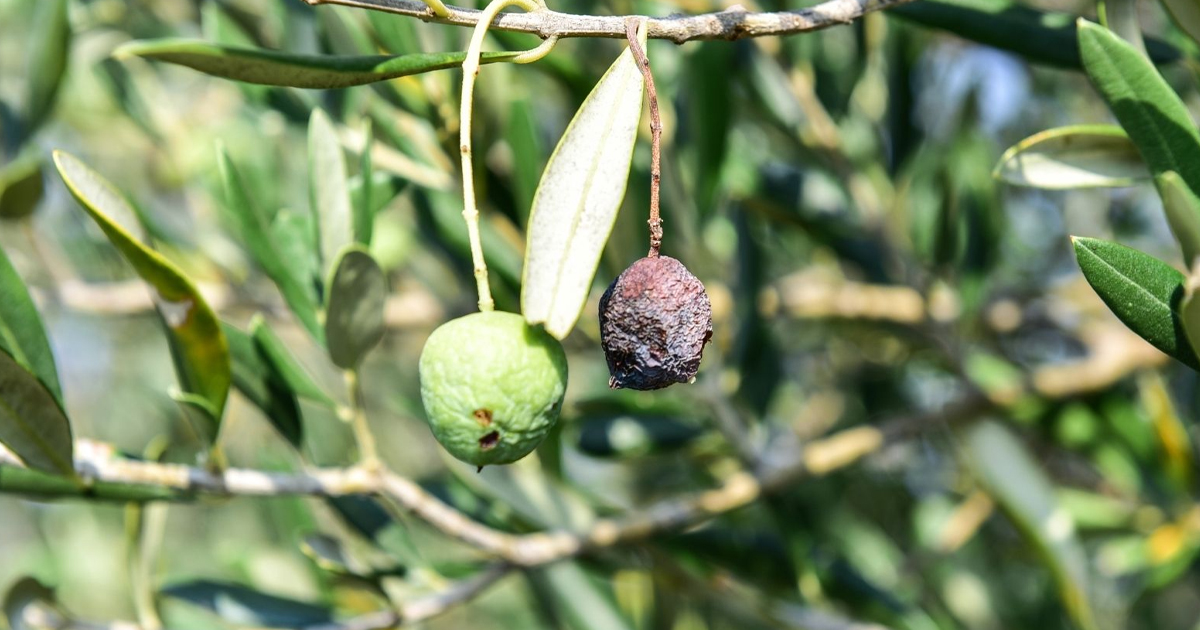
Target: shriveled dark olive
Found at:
x=654, y=321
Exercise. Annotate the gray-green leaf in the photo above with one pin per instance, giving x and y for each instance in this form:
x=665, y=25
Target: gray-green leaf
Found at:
x=21, y=332
x=578, y=198
x=244, y=606
x=32, y=424
x=278, y=260
x=356, y=294
x=364, y=202
x=198, y=346
x=1078, y=156
x=328, y=191
x=1151, y=113
x=269, y=67
x=1017, y=483
x=274, y=351
x=1183, y=213
x=1141, y=290
x=256, y=377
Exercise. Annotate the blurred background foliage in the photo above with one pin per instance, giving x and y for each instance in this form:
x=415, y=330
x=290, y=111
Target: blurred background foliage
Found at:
x=834, y=191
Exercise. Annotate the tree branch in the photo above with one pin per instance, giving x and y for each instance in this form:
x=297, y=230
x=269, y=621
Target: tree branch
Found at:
x=731, y=24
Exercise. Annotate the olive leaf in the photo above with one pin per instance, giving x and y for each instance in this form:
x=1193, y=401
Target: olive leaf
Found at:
x=1186, y=14
x=1077, y=156
x=50, y=47
x=1148, y=109
x=198, y=346
x=356, y=293
x=1015, y=480
x=21, y=332
x=32, y=424
x=263, y=385
x=274, y=246
x=269, y=67
x=244, y=606
x=1183, y=212
x=578, y=198
x=328, y=190
x=275, y=352
x=1141, y=290
x=21, y=186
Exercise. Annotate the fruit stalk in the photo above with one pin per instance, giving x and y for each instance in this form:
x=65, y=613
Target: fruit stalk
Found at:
x=643, y=62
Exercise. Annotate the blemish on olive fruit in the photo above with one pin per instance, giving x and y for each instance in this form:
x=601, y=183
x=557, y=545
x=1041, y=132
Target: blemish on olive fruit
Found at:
x=654, y=321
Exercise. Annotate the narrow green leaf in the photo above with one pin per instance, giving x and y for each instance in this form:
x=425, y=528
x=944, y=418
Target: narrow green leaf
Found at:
x=328, y=191
x=1186, y=14
x=357, y=291
x=578, y=199
x=1078, y=156
x=274, y=351
x=30, y=605
x=245, y=606
x=364, y=202
x=21, y=186
x=198, y=414
x=269, y=67
x=1016, y=481
x=1151, y=113
x=198, y=346
x=1040, y=36
x=1183, y=213
x=21, y=332
x=32, y=424
x=50, y=47
x=256, y=377
x=528, y=154
x=1141, y=290
x=278, y=258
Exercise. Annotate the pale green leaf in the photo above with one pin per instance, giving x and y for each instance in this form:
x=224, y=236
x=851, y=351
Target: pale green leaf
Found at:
x=269, y=67
x=578, y=198
x=49, y=52
x=356, y=294
x=1183, y=213
x=328, y=190
x=1078, y=156
x=197, y=344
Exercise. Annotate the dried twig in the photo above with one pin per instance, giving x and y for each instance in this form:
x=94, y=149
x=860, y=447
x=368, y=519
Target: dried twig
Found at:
x=643, y=63
x=731, y=24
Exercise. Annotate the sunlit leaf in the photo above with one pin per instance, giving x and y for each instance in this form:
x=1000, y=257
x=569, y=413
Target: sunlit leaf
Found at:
x=245, y=606
x=198, y=346
x=1079, y=156
x=49, y=51
x=21, y=332
x=1040, y=36
x=32, y=424
x=1152, y=114
x=279, y=260
x=1015, y=480
x=328, y=191
x=578, y=198
x=258, y=380
x=357, y=291
x=274, y=351
x=1141, y=290
x=21, y=186
x=1183, y=212
x=270, y=67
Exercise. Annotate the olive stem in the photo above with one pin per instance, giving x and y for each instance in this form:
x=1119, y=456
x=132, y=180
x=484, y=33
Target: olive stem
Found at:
x=367, y=452
x=470, y=72
x=643, y=62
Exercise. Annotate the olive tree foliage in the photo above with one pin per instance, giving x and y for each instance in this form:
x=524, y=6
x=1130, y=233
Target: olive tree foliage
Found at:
x=227, y=228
